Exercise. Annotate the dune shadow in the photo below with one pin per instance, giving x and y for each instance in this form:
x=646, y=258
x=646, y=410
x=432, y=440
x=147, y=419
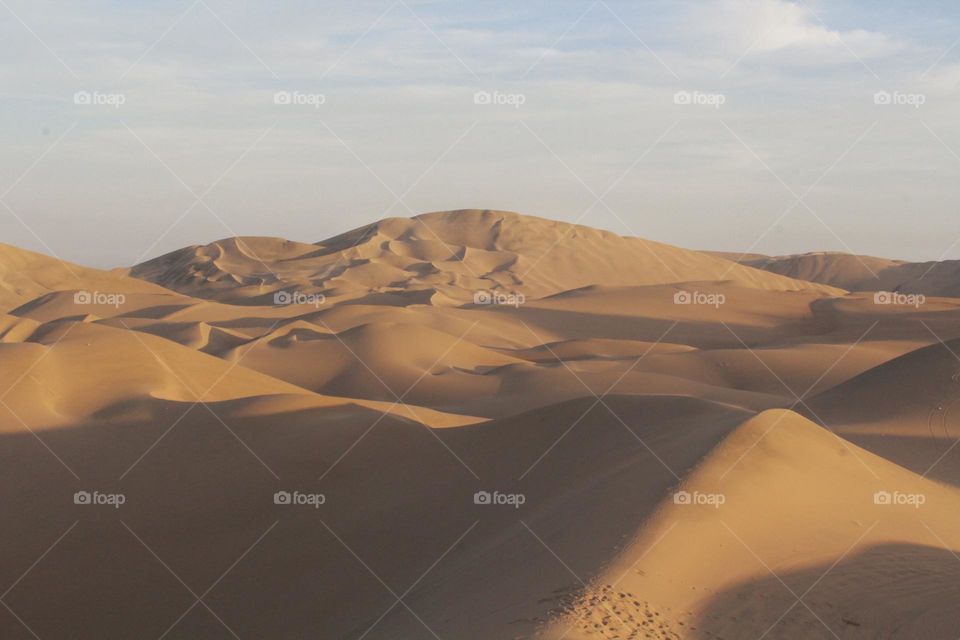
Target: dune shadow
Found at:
x=203, y=493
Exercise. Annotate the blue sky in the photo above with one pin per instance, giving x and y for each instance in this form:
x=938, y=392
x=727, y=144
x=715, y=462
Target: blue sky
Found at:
x=777, y=142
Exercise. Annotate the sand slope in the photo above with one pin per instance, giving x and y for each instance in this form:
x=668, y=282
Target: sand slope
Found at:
x=905, y=409
x=25, y=275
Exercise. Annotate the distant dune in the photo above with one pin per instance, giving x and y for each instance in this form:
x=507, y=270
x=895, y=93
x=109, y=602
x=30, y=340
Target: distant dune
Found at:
x=449, y=256
x=861, y=273
x=477, y=425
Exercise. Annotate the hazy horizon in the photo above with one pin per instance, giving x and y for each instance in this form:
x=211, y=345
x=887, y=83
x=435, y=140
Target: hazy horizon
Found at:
x=771, y=126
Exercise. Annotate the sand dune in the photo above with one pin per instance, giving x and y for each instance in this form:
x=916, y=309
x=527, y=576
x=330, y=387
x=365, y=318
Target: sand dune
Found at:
x=149, y=374
x=861, y=273
x=408, y=369
x=451, y=255
x=904, y=409
x=714, y=569
x=25, y=275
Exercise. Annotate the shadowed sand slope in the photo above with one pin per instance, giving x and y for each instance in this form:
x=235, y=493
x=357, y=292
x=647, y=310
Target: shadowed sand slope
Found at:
x=904, y=409
x=397, y=501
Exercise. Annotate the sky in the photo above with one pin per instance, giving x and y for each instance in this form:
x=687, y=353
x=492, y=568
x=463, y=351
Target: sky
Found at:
x=133, y=128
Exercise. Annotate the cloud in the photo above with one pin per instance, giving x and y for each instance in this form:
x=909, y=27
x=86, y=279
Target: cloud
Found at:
x=781, y=26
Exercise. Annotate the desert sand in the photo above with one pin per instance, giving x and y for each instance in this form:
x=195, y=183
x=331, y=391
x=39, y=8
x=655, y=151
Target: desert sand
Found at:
x=479, y=425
